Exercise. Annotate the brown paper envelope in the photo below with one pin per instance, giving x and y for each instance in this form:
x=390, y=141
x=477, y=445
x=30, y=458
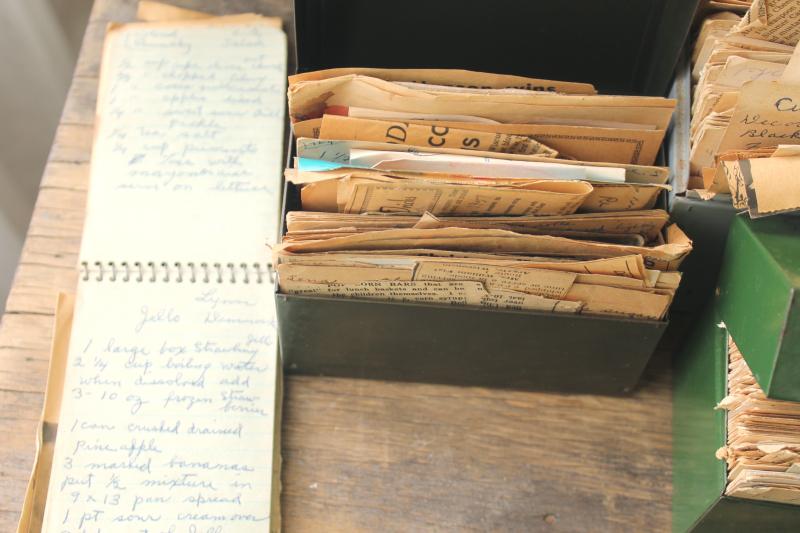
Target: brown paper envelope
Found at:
x=598, y=299
x=532, y=98
x=320, y=196
x=451, y=77
x=307, y=128
x=772, y=184
x=429, y=136
x=610, y=197
x=393, y=195
x=584, y=143
x=309, y=99
x=158, y=12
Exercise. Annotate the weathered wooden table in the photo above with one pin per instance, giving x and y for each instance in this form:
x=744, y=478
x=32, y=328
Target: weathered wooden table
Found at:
x=359, y=455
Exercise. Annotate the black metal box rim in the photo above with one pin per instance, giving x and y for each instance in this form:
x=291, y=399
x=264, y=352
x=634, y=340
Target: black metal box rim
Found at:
x=620, y=46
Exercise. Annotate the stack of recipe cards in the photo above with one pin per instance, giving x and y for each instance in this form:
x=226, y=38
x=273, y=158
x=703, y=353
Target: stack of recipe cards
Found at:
x=467, y=188
x=747, y=74
x=763, y=443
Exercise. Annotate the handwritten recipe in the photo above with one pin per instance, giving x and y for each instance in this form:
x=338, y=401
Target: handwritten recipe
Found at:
x=171, y=399
x=189, y=142
x=167, y=417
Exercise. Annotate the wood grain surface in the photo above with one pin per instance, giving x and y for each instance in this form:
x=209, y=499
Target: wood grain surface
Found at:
x=359, y=455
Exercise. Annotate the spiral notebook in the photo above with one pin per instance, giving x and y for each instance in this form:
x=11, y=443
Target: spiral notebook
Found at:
x=170, y=413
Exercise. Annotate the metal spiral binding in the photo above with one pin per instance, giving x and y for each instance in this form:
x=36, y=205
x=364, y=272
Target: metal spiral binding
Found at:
x=151, y=272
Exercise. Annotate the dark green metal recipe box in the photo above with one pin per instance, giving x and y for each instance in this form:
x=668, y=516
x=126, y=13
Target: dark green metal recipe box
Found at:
x=625, y=47
x=460, y=345
x=699, y=503
x=759, y=299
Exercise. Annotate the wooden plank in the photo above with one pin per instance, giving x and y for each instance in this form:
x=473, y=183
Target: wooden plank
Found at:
x=66, y=175
x=27, y=331
x=18, y=422
x=362, y=454
x=51, y=251
x=72, y=144
x=88, y=64
x=36, y=285
x=79, y=107
x=33, y=380
x=8, y=517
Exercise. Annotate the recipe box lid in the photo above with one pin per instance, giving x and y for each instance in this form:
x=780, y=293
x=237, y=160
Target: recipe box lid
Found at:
x=620, y=46
x=759, y=299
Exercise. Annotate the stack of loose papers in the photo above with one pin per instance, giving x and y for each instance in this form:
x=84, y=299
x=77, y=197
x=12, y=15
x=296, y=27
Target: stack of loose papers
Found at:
x=480, y=262
x=478, y=111
x=467, y=188
x=747, y=74
x=763, y=449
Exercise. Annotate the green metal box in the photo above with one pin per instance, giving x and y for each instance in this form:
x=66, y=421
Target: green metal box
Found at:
x=524, y=350
x=759, y=300
x=699, y=504
x=495, y=348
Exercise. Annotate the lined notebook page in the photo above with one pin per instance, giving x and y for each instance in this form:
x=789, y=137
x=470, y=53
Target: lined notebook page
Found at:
x=168, y=414
x=187, y=157
x=170, y=410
